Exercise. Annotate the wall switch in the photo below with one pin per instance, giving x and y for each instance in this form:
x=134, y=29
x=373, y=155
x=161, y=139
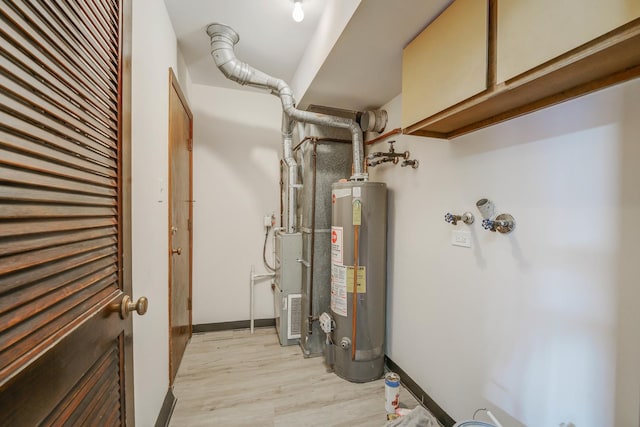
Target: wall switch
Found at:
x=461, y=238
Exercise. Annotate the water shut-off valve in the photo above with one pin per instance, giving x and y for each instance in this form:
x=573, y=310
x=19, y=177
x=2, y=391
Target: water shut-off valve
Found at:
x=379, y=157
x=504, y=223
x=466, y=217
x=413, y=163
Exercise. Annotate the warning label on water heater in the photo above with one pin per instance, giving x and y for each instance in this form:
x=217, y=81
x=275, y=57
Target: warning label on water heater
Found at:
x=339, y=289
x=336, y=245
x=362, y=279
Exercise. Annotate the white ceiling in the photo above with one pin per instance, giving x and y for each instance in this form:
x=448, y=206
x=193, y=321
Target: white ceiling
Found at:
x=363, y=70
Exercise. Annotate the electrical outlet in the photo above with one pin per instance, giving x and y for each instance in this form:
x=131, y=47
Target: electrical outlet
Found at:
x=461, y=238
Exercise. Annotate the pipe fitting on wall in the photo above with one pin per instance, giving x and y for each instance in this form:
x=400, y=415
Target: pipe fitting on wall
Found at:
x=504, y=223
x=374, y=121
x=486, y=208
x=378, y=157
x=413, y=163
x=466, y=217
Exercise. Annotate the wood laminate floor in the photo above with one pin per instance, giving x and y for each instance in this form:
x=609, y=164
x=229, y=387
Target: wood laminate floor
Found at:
x=233, y=378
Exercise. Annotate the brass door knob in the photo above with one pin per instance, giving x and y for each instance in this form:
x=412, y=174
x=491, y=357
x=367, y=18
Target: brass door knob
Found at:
x=127, y=306
x=176, y=251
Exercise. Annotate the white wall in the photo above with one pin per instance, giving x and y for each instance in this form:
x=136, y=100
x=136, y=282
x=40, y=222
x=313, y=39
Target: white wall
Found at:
x=182, y=73
x=235, y=183
x=542, y=323
x=154, y=51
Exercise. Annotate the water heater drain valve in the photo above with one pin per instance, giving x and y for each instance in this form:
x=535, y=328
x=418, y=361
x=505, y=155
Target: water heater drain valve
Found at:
x=326, y=323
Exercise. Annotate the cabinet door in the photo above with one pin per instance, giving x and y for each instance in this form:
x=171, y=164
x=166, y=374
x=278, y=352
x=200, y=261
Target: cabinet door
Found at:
x=446, y=63
x=533, y=32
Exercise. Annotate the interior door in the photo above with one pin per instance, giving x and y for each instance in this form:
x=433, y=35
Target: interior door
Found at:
x=180, y=223
x=65, y=350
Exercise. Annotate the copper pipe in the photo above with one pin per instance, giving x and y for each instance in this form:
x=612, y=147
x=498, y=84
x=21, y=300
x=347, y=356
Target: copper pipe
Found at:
x=356, y=231
x=302, y=142
x=313, y=234
x=396, y=131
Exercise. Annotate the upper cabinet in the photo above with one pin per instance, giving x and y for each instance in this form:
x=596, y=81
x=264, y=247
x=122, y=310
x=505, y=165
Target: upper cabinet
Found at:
x=481, y=62
x=531, y=33
x=435, y=76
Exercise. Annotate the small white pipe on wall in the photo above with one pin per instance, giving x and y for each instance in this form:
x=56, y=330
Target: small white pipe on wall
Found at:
x=252, y=284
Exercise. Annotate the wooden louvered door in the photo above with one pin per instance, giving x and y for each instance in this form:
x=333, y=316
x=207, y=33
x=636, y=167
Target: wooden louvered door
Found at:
x=65, y=351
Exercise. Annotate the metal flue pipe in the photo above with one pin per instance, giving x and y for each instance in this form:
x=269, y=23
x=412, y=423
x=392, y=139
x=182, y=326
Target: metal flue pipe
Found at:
x=292, y=169
x=223, y=39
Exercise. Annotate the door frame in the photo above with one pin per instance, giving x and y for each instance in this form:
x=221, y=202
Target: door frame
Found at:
x=174, y=84
x=126, y=275
x=125, y=237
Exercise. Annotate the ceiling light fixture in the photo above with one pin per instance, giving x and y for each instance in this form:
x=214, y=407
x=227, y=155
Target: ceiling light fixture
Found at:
x=298, y=13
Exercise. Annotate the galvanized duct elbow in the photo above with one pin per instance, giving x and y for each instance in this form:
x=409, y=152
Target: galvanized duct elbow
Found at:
x=223, y=38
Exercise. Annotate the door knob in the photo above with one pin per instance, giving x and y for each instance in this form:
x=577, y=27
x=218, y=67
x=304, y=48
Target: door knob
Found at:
x=127, y=306
x=176, y=251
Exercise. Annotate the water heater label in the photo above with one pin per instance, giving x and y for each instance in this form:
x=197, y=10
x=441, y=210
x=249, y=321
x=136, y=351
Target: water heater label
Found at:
x=357, y=212
x=362, y=279
x=336, y=245
x=339, y=289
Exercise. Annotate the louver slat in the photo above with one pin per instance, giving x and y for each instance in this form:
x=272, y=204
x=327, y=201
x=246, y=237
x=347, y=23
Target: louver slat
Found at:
x=19, y=160
x=57, y=97
x=54, y=301
x=28, y=277
x=37, y=195
x=50, y=325
x=16, y=106
x=53, y=226
x=26, y=33
x=93, y=391
x=50, y=284
x=28, y=131
x=15, y=45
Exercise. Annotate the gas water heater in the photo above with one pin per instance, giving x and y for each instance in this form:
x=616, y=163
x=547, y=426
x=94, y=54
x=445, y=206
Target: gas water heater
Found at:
x=355, y=346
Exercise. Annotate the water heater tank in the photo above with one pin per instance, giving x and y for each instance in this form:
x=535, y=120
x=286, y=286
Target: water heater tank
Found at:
x=358, y=256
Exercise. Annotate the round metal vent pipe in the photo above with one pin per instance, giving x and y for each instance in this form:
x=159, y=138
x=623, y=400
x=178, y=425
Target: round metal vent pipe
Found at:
x=223, y=39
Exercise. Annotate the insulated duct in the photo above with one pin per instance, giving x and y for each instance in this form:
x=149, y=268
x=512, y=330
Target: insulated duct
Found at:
x=223, y=38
